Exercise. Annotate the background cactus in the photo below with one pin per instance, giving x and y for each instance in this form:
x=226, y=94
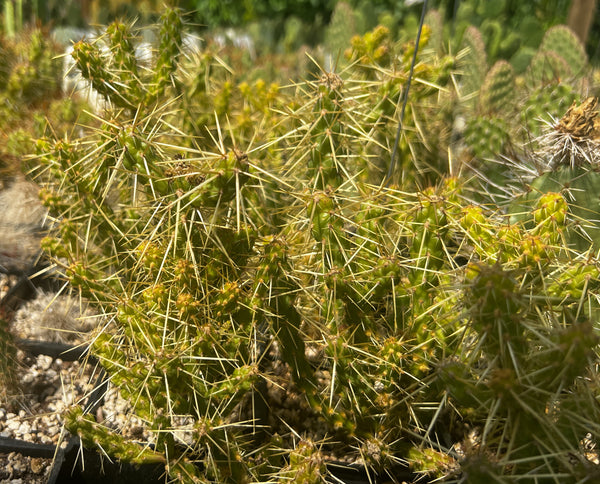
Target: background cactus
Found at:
x=474, y=61
x=497, y=88
x=562, y=41
x=510, y=111
x=340, y=30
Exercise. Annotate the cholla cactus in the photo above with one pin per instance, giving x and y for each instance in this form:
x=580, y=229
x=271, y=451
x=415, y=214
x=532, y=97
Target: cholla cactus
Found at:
x=506, y=312
x=124, y=84
x=231, y=267
x=34, y=73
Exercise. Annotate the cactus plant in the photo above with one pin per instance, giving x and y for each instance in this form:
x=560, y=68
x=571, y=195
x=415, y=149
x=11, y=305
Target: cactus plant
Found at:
x=340, y=30
x=497, y=87
x=242, y=264
x=569, y=153
x=562, y=41
x=474, y=62
x=202, y=258
x=486, y=136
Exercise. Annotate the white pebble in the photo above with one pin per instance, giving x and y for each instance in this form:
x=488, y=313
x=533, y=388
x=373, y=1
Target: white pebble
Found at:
x=29, y=377
x=13, y=425
x=44, y=362
x=24, y=428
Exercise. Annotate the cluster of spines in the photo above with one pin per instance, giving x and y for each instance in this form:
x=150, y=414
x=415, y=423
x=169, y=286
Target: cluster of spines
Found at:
x=115, y=74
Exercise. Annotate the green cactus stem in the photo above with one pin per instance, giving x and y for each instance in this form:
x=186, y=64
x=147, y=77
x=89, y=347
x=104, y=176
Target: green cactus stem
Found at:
x=497, y=88
x=563, y=42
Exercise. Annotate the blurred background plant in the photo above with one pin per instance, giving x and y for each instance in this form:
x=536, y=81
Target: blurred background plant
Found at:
x=31, y=99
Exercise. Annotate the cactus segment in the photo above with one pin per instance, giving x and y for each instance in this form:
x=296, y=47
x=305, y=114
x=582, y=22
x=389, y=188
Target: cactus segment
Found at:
x=486, y=136
x=474, y=63
x=92, y=433
x=563, y=42
x=497, y=88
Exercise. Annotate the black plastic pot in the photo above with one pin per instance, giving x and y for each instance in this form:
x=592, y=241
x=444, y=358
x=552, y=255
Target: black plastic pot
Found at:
x=74, y=465
x=26, y=287
x=67, y=469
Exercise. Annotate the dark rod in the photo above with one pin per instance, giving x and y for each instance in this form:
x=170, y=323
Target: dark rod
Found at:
x=405, y=100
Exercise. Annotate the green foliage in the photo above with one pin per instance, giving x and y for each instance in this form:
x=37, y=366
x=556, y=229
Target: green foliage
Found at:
x=231, y=13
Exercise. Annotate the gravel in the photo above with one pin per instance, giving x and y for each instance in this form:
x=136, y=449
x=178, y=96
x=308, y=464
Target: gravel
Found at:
x=46, y=386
